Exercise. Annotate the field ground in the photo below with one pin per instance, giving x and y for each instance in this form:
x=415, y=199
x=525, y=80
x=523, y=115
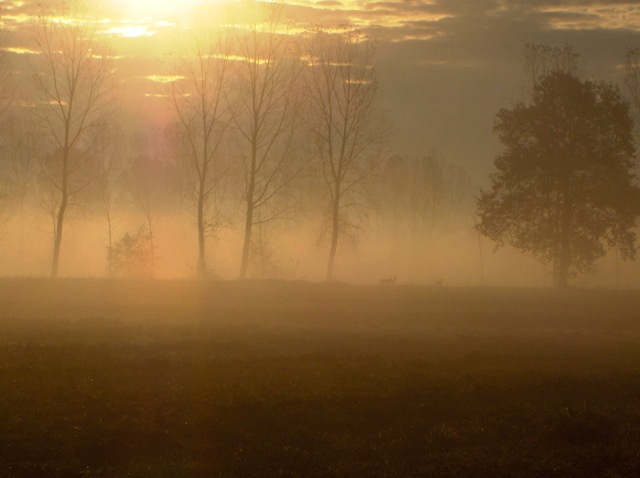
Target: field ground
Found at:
x=245, y=379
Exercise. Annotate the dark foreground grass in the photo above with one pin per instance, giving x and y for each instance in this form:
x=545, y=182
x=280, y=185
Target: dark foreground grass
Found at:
x=175, y=379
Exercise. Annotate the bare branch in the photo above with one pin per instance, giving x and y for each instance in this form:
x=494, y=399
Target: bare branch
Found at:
x=345, y=119
x=72, y=80
x=200, y=71
x=268, y=97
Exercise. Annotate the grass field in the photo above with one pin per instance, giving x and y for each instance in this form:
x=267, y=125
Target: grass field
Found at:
x=245, y=379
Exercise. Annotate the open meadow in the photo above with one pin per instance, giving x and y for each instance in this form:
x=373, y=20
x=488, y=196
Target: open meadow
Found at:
x=246, y=379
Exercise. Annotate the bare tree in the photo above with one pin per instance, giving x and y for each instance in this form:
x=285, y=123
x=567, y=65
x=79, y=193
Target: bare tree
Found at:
x=6, y=91
x=6, y=85
x=200, y=74
x=19, y=152
x=425, y=191
x=345, y=121
x=20, y=149
x=110, y=156
x=75, y=96
x=632, y=78
x=541, y=60
x=266, y=114
x=152, y=183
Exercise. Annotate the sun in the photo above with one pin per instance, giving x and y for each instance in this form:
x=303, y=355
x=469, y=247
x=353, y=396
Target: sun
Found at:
x=158, y=9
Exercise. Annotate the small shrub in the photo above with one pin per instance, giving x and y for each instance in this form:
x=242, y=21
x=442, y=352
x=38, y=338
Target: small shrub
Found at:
x=132, y=256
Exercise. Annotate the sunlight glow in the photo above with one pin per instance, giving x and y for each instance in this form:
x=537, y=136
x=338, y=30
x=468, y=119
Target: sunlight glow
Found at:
x=20, y=51
x=13, y=5
x=164, y=78
x=130, y=31
x=20, y=18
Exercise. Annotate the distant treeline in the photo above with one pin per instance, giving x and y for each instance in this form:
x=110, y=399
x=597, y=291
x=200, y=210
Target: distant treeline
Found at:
x=269, y=124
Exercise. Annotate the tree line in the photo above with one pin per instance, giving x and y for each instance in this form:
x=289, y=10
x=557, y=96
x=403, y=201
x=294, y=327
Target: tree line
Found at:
x=268, y=124
x=248, y=101
x=565, y=187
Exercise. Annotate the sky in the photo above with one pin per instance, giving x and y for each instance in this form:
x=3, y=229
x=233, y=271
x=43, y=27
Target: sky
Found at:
x=445, y=66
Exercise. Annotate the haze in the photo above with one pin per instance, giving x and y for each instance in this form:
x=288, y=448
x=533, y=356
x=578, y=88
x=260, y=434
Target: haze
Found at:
x=444, y=69
x=319, y=238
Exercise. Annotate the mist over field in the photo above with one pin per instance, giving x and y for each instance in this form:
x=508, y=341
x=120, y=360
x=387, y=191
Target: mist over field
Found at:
x=319, y=239
x=260, y=191
x=297, y=254
x=290, y=378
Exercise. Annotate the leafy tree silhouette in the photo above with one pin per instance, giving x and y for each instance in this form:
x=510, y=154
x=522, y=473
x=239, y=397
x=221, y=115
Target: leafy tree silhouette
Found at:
x=564, y=189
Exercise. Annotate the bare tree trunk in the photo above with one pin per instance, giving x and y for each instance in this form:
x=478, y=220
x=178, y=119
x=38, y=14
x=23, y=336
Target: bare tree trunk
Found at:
x=58, y=237
x=248, y=225
x=617, y=267
x=110, y=244
x=151, y=243
x=246, y=246
x=57, y=243
x=202, y=265
x=335, y=234
x=261, y=250
x=481, y=258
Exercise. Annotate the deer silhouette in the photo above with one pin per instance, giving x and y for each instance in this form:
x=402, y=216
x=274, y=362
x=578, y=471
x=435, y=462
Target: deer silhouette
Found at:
x=391, y=280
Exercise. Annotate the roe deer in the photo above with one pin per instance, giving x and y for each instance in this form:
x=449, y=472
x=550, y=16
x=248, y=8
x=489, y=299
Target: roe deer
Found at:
x=391, y=280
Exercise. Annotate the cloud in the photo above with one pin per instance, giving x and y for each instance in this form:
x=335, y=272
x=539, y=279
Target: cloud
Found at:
x=20, y=50
x=446, y=66
x=164, y=79
x=329, y=3
x=597, y=16
x=129, y=31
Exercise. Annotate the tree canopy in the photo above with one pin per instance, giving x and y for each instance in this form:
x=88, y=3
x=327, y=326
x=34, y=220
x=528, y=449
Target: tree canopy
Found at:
x=564, y=189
